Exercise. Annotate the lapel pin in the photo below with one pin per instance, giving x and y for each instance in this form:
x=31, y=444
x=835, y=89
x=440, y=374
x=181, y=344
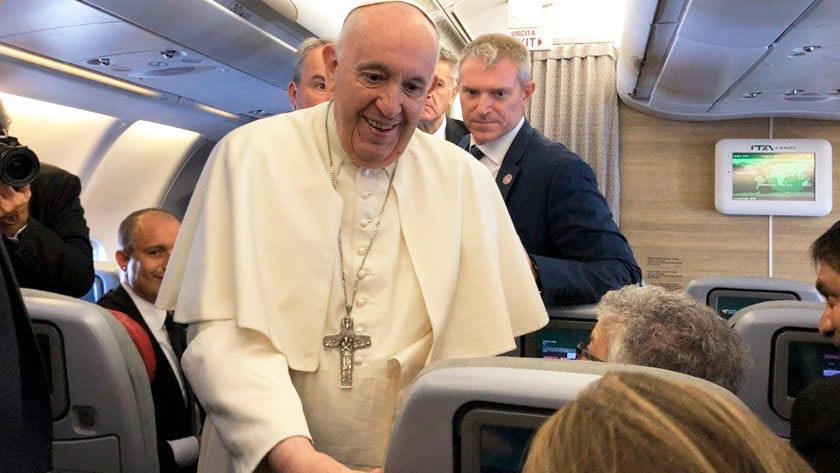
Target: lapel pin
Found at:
x=506, y=180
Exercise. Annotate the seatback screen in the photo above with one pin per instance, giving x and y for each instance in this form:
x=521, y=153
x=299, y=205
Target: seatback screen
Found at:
x=809, y=361
x=503, y=449
x=727, y=302
x=560, y=343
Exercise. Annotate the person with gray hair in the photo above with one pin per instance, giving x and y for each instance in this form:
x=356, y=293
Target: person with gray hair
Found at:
x=309, y=85
x=406, y=244
x=577, y=251
x=4, y=120
x=433, y=120
x=651, y=326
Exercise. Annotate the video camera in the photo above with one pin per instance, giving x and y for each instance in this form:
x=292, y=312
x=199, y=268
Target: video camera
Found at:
x=19, y=166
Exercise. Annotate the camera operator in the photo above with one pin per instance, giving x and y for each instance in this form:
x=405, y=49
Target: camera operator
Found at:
x=43, y=228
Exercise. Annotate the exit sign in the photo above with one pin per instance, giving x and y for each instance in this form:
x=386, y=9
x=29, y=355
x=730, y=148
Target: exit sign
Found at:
x=535, y=39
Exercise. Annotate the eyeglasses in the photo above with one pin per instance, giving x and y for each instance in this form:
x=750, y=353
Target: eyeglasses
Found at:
x=582, y=353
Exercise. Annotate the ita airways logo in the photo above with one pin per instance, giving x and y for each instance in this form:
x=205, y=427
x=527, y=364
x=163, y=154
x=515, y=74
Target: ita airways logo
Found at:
x=535, y=39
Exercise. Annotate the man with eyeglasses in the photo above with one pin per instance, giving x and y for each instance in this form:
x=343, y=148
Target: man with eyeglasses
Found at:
x=650, y=326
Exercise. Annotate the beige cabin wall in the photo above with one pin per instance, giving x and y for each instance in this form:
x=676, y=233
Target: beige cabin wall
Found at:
x=668, y=202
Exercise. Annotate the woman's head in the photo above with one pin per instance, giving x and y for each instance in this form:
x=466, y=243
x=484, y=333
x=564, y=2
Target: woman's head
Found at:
x=632, y=422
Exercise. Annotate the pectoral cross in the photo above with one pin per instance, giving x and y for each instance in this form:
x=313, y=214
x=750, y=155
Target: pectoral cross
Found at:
x=347, y=342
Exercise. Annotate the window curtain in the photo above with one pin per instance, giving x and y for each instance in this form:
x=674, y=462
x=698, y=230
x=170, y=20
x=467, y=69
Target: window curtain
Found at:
x=575, y=103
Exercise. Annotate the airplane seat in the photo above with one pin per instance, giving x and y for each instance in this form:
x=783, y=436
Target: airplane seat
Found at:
x=474, y=415
x=106, y=277
x=141, y=341
x=102, y=409
x=787, y=353
x=567, y=326
x=728, y=294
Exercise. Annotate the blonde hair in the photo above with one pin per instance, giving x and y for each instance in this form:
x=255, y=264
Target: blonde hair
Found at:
x=629, y=422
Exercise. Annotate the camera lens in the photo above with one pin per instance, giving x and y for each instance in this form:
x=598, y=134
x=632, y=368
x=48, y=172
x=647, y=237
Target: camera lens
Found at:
x=18, y=165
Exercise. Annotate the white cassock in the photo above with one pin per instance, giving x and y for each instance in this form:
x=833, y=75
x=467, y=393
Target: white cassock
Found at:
x=256, y=272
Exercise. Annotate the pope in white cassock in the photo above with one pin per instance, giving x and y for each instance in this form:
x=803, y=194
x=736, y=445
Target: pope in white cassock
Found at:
x=329, y=254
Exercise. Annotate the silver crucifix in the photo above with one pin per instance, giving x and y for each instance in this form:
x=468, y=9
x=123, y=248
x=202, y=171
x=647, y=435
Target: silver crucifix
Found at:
x=347, y=342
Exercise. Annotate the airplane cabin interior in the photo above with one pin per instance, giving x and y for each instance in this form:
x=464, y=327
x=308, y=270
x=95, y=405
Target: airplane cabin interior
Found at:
x=132, y=96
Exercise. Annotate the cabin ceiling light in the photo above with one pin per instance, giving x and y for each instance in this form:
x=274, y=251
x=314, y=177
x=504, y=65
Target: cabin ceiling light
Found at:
x=218, y=111
x=42, y=61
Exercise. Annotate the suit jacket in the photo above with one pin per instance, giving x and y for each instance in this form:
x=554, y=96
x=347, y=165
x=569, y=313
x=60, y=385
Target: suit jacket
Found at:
x=563, y=221
x=455, y=130
x=26, y=432
x=54, y=252
x=172, y=415
x=815, y=425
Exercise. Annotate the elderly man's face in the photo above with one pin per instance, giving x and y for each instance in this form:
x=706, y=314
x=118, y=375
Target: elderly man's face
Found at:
x=828, y=283
x=599, y=342
x=492, y=97
x=314, y=87
x=382, y=72
x=441, y=95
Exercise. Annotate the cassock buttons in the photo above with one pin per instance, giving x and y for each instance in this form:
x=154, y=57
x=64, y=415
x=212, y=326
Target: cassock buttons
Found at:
x=362, y=250
x=366, y=195
x=362, y=274
x=364, y=223
x=361, y=302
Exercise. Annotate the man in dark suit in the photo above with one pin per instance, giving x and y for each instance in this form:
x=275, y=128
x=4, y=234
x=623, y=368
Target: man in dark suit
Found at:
x=146, y=238
x=44, y=231
x=26, y=433
x=433, y=119
x=815, y=420
x=577, y=251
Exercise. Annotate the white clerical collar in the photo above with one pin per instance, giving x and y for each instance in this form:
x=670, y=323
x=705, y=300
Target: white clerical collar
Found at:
x=441, y=131
x=341, y=158
x=153, y=316
x=497, y=149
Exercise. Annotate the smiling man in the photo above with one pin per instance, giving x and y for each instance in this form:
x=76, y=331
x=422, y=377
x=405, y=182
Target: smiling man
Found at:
x=577, y=251
x=145, y=240
x=327, y=255
x=309, y=85
x=433, y=120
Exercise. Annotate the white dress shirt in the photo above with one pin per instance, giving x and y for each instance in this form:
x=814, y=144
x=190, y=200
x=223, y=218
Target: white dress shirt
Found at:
x=495, y=151
x=184, y=450
x=441, y=131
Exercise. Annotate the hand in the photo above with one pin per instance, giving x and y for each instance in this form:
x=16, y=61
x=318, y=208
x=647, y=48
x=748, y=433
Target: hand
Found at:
x=14, y=208
x=297, y=455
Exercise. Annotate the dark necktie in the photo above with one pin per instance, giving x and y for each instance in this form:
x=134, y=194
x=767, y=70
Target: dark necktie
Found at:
x=177, y=334
x=477, y=153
